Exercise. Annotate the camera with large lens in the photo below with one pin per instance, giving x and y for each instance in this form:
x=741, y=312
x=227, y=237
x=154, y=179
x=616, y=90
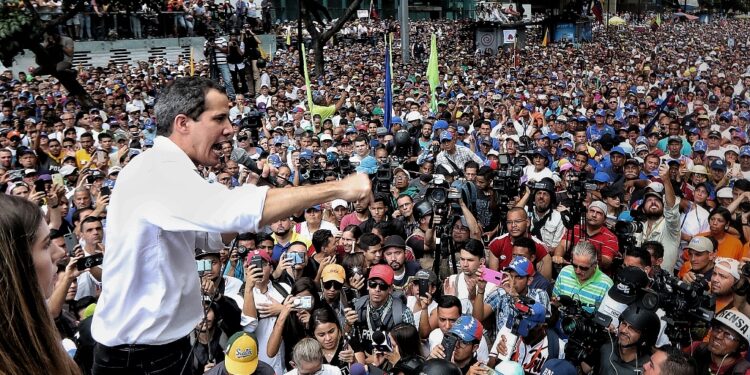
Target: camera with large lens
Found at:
x=383, y=179
x=586, y=331
x=506, y=181
x=242, y=251
x=689, y=307
x=625, y=232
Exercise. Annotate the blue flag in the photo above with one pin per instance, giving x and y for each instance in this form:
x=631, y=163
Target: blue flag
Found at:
x=388, y=99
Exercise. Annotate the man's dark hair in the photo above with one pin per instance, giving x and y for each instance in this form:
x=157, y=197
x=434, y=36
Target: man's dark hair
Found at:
x=362, y=138
x=91, y=219
x=77, y=215
x=390, y=228
x=742, y=184
x=104, y=135
x=642, y=254
x=367, y=240
x=471, y=164
x=87, y=135
x=320, y=239
x=247, y=237
x=297, y=243
x=475, y=248
x=656, y=246
x=677, y=362
x=449, y=302
x=526, y=243
x=184, y=96
x=485, y=172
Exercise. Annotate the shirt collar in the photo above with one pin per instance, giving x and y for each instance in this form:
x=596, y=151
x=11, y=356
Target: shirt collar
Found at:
x=171, y=153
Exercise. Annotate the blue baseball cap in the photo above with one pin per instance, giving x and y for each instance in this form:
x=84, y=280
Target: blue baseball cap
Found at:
x=440, y=124
x=745, y=151
x=601, y=177
x=555, y=366
x=351, y=130
x=726, y=116
x=719, y=165
x=600, y=113
x=553, y=136
x=306, y=154
x=446, y=136
x=641, y=139
x=536, y=317
x=521, y=266
x=467, y=328
x=148, y=143
x=541, y=151
x=396, y=120
x=275, y=160
x=461, y=130
x=744, y=115
x=617, y=149
x=700, y=146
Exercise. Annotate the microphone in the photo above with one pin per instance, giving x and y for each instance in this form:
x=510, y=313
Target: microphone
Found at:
x=358, y=369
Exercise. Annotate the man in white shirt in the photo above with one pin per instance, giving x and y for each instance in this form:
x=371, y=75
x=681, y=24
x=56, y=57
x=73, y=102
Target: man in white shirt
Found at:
x=151, y=295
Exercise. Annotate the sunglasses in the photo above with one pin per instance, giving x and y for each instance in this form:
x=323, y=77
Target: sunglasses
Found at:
x=332, y=284
x=372, y=284
x=582, y=268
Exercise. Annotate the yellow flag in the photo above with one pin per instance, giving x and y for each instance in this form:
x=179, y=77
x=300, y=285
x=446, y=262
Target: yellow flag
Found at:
x=545, y=41
x=288, y=37
x=307, y=80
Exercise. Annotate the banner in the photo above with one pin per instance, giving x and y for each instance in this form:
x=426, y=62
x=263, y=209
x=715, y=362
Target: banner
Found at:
x=363, y=13
x=307, y=80
x=509, y=36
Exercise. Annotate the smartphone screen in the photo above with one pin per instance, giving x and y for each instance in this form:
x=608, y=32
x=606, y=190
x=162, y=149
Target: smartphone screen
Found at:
x=57, y=179
x=70, y=243
x=90, y=261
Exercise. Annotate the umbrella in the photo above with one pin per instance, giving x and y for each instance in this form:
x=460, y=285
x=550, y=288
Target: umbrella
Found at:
x=616, y=21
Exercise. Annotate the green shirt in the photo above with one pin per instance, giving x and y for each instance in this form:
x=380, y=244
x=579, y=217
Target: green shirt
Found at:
x=325, y=112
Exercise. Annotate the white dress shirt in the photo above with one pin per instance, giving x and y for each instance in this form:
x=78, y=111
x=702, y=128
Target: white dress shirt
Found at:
x=161, y=206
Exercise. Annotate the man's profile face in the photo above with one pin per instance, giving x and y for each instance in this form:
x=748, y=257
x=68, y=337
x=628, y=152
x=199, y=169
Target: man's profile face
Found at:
x=208, y=131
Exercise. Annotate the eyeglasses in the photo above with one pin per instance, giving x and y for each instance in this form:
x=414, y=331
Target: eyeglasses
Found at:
x=720, y=330
x=332, y=284
x=582, y=268
x=372, y=284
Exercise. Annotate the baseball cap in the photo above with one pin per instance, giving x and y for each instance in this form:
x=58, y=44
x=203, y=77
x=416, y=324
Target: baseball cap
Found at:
x=338, y=203
x=446, y=136
x=394, y=241
x=382, y=272
x=699, y=169
x=736, y=321
x=732, y=266
x=242, y=354
x=700, y=146
x=725, y=192
x=333, y=272
x=536, y=318
x=745, y=151
x=202, y=253
x=640, y=148
x=521, y=266
x=262, y=254
x=440, y=124
x=601, y=177
x=732, y=148
x=598, y=205
x=714, y=134
x=617, y=149
x=674, y=138
x=426, y=274
x=467, y=328
x=700, y=244
x=719, y=165
x=600, y=112
x=67, y=170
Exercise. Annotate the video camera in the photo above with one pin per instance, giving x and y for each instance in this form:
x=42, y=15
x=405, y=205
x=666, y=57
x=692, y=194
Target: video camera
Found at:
x=506, y=181
x=689, y=308
x=311, y=171
x=625, y=232
x=443, y=198
x=586, y=331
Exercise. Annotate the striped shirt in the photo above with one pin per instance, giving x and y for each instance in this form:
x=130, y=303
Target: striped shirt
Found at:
x=221, y=57
x=590, y=293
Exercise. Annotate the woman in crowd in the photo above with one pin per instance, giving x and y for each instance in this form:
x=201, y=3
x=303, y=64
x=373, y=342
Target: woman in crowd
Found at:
x=294, y=317
x=30, y=344
x=339, y=349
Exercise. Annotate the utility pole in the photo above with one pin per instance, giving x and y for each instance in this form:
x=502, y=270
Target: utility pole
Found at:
x=404, y=17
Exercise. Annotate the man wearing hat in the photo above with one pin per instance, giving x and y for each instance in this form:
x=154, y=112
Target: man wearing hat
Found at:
x=380, y=309
x=241, y=358
x=223, y=290
x=673, y=155
x=454, y=155
x=538, y=169
x=701, y=253
x=725, y=276
x=727, y=340
x=394, y=254
x=546, y=222
x=636, y=335
x=468, y=332
x=536, y=342
x=605, y=242
x=332, y=284
x=519, y=273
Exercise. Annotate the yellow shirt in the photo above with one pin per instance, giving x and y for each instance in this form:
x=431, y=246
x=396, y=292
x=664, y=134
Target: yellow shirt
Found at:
x=82, y=158
x=324, y=111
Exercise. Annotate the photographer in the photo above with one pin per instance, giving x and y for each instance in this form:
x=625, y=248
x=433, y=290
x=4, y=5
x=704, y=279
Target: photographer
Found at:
x=701, y=252
x=215, y=50
x=636, y=336
x=722, y=354
x=467, y=352
x=454, y=155
x=604, y=241
x=546, y=222
x=235, y=60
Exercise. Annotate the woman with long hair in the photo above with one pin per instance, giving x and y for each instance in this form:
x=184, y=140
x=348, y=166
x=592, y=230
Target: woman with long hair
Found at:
x=338, y=350
x=31, y=344
x=294, y=318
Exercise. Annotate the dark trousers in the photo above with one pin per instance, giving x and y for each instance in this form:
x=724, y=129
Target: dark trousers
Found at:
x=167, y=359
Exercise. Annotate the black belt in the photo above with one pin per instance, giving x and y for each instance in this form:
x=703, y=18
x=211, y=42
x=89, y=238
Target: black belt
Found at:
x=165, y=348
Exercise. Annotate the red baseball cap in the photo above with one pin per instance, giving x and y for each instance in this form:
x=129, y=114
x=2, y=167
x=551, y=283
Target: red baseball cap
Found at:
x=362, y=127
x=260, y=253
x=382, y=272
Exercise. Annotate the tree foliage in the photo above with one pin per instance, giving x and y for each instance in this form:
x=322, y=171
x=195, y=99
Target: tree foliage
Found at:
x=321, y=32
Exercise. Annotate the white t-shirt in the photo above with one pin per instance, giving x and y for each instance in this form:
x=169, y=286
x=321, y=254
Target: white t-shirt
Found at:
x=532, y=175
x=265, y=326
x=304, y=231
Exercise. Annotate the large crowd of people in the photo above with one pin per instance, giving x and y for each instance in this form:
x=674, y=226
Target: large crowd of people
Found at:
x=560, y=209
